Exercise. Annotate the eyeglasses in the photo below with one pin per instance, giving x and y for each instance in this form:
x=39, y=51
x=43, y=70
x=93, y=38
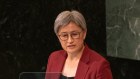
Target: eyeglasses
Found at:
x=65, y=36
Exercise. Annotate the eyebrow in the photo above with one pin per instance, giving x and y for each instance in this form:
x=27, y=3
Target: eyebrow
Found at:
x=71, y=31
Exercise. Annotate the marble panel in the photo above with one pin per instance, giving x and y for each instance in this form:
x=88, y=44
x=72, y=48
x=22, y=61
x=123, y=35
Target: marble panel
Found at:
x=123, y=28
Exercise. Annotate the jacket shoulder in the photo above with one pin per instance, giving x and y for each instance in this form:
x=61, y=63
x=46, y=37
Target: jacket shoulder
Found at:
x=96, y=56
x=54, y=55
x=100, y=65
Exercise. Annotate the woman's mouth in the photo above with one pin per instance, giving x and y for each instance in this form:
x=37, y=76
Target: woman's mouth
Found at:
x=71, y=46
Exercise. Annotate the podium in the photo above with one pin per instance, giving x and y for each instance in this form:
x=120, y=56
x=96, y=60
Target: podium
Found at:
x=39, y=75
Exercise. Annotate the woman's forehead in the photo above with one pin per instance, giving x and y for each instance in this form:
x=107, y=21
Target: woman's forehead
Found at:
x=69, y=27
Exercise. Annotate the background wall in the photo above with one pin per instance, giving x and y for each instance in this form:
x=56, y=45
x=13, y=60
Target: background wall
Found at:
x=123, y=37
x=27, y=37
x=123, y=28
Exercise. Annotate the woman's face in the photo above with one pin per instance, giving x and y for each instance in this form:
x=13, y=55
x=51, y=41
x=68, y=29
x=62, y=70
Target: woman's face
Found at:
x=71, y=38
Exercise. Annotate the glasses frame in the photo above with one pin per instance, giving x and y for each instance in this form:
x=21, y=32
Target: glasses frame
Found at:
x=69, y=34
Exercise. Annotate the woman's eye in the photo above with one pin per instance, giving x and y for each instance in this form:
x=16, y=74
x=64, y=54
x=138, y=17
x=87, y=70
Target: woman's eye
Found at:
x=74, y=34
x=65, y=35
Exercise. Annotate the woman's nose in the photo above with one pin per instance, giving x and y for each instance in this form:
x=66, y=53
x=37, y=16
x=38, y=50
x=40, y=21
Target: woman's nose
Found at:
x=70, y=39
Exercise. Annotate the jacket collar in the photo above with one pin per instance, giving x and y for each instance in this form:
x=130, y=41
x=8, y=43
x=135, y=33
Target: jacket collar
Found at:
x=82, y=66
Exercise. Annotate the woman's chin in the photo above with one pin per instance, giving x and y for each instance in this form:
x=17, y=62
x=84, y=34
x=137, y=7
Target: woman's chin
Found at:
x=70, y=51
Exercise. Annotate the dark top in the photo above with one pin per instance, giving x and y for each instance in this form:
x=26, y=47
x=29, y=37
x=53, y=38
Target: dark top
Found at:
x=64, y=77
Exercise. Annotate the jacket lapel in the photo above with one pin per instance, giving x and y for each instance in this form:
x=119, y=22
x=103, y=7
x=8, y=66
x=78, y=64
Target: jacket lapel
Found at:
x=83, y=64
x=81, y=71
x=59, y=64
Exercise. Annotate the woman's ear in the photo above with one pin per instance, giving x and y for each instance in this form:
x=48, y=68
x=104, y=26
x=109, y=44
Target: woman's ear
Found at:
x=58, y=37
x=85, y=33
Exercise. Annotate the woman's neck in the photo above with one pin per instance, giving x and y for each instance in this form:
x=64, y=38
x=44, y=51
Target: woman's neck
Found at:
x=76, y=55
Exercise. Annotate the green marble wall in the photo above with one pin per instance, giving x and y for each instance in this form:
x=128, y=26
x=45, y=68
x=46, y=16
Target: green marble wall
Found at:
x=123, y=28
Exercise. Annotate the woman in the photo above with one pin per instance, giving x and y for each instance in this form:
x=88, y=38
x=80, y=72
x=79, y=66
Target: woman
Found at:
x=77, y=60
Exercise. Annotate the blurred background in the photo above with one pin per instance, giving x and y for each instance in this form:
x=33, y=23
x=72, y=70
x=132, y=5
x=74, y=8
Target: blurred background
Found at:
x=27, y=37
